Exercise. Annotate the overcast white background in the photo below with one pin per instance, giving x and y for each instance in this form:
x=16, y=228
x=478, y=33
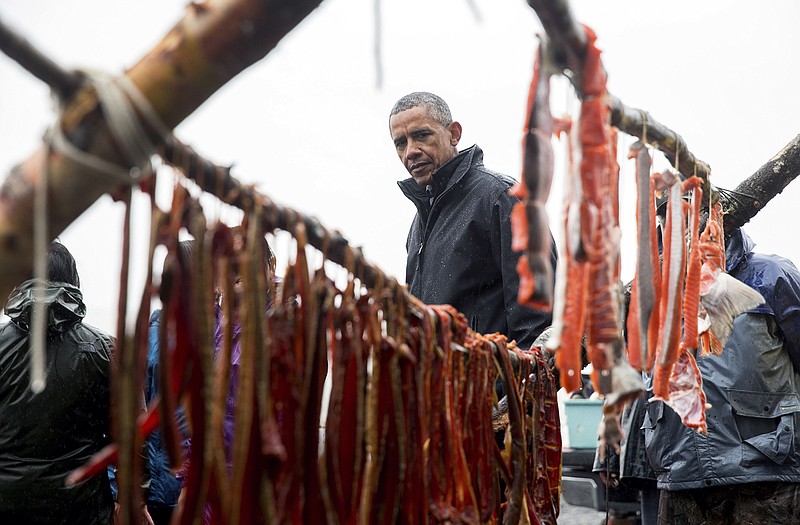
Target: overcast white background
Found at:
x=308, y=126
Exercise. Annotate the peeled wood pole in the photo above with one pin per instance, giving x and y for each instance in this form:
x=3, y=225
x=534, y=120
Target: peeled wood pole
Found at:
x=634, y=121
x=214, y=41
x=568, y=47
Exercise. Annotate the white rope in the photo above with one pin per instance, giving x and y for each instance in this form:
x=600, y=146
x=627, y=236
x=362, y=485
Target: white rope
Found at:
x=137, y=149
x=117, y=98
x=38, y=328
x=124, y=124
x=143, y=105
x=91, y=163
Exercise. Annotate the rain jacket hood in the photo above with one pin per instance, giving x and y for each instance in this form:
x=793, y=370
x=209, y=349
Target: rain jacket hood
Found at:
x=64, y=305
x=777, y=280
x=752, y=387
x=459, y=248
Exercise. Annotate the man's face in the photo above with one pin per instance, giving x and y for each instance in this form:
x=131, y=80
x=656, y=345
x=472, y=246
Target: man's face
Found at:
x=422, y=143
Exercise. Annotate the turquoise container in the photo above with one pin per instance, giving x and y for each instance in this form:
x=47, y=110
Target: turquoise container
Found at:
x=583, y=418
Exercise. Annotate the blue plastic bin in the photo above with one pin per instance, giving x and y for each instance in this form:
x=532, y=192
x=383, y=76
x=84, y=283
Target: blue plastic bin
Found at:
x=583, y=418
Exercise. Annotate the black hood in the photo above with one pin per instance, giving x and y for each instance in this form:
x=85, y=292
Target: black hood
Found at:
x=63, y=301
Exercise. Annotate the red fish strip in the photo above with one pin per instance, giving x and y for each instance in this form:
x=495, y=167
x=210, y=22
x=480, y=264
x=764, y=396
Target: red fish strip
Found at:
x=691, y=301
x=687, y=398
x=643, y=294
x=530, y=229
x=672, y=291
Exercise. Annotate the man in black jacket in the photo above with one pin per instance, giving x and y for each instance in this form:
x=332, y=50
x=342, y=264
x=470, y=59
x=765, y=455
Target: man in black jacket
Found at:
x=44, y=436
x=459, y=245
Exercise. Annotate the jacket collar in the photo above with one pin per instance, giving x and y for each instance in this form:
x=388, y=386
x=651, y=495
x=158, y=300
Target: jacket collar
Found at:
x=447, y=176
x=64, y=304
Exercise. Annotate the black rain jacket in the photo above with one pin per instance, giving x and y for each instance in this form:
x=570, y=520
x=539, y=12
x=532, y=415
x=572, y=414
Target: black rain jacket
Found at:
x=45, y=436
x=459, y=248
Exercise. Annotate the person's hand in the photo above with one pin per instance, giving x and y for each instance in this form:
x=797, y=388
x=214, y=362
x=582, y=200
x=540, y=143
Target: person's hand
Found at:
x=611, y=480
x=146, y=518
x=181, y=500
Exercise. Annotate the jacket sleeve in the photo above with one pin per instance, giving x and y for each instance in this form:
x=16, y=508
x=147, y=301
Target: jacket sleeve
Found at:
x=524, y=324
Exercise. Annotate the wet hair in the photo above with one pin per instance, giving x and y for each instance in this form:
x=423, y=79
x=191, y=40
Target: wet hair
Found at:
x=239, y=234
x=185, y=251
x=267, y=253
x=435, y=106
x=61, y=265
x=269, y=256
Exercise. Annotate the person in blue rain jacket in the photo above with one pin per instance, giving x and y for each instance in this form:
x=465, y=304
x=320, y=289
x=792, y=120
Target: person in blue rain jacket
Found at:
x=747, y=468
x=165, y=487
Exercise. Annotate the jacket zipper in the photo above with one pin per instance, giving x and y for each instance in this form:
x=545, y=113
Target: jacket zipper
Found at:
x=436, y=200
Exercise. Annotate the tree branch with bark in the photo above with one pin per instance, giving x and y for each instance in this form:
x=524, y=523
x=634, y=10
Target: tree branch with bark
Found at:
x=212, y=43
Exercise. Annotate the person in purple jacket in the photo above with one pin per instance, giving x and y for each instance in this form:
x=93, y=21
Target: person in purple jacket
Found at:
x=229, y=422
x=236, y=348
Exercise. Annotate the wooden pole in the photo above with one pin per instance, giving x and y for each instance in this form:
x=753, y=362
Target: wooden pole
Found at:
x=63, y=82
x=637, y=122
x=753, y=193
x=567, y=49
x=212, y=43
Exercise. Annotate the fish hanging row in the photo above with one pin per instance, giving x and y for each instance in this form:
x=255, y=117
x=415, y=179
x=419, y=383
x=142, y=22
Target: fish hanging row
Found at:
x=691, y=312
x=671, y=312
x=588, y=298
x=405, y=433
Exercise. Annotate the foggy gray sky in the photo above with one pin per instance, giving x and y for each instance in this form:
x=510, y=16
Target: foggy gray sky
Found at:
x=309, y=128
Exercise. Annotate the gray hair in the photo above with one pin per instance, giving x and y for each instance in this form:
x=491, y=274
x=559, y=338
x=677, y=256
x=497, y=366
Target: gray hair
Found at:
x=435, y=106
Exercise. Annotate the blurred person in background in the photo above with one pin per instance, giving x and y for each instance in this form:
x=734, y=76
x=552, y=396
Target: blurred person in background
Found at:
x=44, y=436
